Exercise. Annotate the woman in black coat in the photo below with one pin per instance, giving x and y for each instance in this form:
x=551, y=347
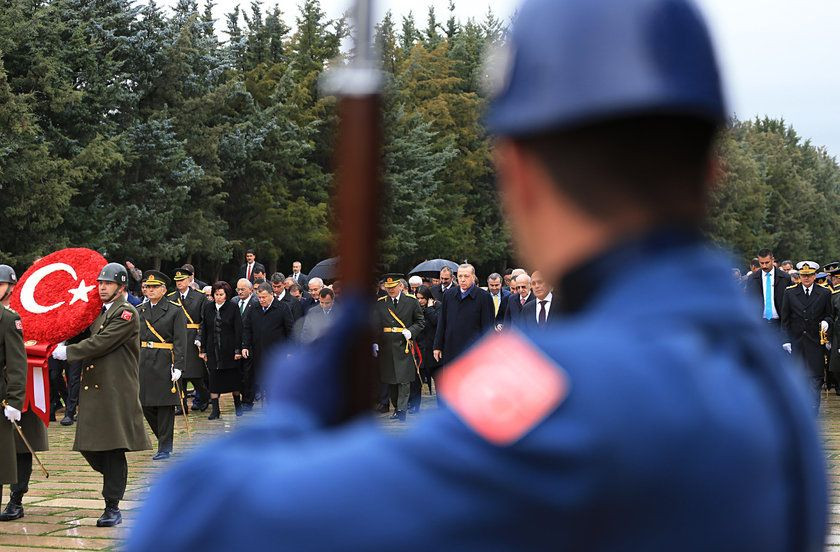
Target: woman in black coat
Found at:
x=426, y=339
x=221, y=346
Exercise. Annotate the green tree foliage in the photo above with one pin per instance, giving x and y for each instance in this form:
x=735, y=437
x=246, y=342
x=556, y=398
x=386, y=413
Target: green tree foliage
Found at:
x=179, y=134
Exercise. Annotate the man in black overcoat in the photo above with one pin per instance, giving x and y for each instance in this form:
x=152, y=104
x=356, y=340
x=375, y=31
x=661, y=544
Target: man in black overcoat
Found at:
x=466, y=313
x=265, y=326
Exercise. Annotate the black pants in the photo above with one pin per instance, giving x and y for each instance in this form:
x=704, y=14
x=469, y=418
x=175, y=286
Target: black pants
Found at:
x=202, y=395
x=816, y=392
x=114, y=469
x=61, y=391
x=248, y=383
x=162, y=421
x=399, y=395
x=24, y=472
x=415, y=394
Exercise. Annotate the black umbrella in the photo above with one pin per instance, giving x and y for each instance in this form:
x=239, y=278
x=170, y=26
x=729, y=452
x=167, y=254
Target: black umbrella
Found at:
x=432, y=268
x=325, y=270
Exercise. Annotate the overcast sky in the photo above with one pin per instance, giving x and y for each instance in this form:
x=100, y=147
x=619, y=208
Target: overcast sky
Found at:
x=780, y=58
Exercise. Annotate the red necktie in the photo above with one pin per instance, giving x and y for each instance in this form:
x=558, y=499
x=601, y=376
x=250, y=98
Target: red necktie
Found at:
x=522, y=301
x=248, y=273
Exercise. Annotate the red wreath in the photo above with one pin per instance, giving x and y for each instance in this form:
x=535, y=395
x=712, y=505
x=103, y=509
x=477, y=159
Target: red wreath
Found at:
x=57, y=297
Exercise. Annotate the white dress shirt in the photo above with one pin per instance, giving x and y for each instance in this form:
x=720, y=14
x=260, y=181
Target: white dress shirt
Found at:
x=547, y=306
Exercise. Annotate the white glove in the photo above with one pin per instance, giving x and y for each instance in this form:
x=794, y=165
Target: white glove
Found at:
x=12, y=413
x=197, y=343
x=375, y=350
x=60, y=352
x=407, y=335
x=787, y=349
x=824, y=326
x=176, y=374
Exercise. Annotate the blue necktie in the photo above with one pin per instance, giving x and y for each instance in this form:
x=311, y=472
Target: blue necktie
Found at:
x=768, y=297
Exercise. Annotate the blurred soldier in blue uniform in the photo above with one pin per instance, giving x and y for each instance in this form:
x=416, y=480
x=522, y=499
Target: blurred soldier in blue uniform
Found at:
x=605, y=111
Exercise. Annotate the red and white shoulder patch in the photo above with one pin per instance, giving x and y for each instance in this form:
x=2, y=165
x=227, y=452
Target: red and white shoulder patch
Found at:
x=126, y=315
x=503, y=387
x=19, y=325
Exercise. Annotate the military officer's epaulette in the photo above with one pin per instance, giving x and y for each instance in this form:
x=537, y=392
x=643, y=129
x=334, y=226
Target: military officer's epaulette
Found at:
x=791, y=287
x=10, y=309
x=835, y=291
x=410, y=295
x=382, y=298
x=176, y=303
x=170, y=294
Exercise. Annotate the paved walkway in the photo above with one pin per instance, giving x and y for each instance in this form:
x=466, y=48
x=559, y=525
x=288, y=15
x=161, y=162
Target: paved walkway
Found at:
x=61, y=511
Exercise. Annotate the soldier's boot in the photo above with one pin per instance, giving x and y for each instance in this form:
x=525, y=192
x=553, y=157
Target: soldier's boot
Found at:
x=237, y=404
x=111, y=516
x=14, y=509
x=215, y=412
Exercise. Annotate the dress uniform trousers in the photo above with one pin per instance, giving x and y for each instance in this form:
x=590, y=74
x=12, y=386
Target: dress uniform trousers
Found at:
x=162, y=421
x=114, y=469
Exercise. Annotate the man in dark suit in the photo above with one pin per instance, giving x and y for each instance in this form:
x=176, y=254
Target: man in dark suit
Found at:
x=264, y=326
x=806, y=313
x=299, y=277
x=250, y=267
x=522, y=285
x=538, y=313
x=446, y=283
x=245, y=301
x=766, y=289
x=466, y=313
x=500, y=297
x=278, y=285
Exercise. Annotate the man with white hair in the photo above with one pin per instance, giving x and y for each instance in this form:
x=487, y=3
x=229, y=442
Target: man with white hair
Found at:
x=517, y=302
x=315, y=286
x=413, y=283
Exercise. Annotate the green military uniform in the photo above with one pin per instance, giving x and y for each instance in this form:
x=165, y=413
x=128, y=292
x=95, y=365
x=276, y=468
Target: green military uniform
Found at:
x=396, y=362
x=110, y=417
x=12, y=387
x=163, y=335
x=109, y=420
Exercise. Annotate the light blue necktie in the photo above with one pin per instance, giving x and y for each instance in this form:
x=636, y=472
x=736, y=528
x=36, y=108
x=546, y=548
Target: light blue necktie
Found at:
x=768, y=297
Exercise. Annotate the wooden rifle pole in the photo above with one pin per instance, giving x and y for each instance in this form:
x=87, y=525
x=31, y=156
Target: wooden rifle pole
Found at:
x=359, y=193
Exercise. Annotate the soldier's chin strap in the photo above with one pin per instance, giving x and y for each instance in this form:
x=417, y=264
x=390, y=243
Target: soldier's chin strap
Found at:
x=7, y=293
x=114, y=295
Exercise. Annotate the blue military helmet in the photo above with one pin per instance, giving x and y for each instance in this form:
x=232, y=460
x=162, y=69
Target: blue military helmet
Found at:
x=576, y=62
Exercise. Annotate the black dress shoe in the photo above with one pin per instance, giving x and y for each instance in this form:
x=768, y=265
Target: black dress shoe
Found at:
x=413, y=409
x=159, y=456
x=67, y=420
x=202, y=406
x=12, y=511
x=383, y=408
x=179, y=411
x=110, y=517
x=401, y=415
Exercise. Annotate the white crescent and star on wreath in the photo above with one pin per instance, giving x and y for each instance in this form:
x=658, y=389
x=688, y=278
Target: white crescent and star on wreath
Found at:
x=27, y=292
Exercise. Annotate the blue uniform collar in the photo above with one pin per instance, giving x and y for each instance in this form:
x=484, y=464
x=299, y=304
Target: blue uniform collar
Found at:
x=582, y=284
